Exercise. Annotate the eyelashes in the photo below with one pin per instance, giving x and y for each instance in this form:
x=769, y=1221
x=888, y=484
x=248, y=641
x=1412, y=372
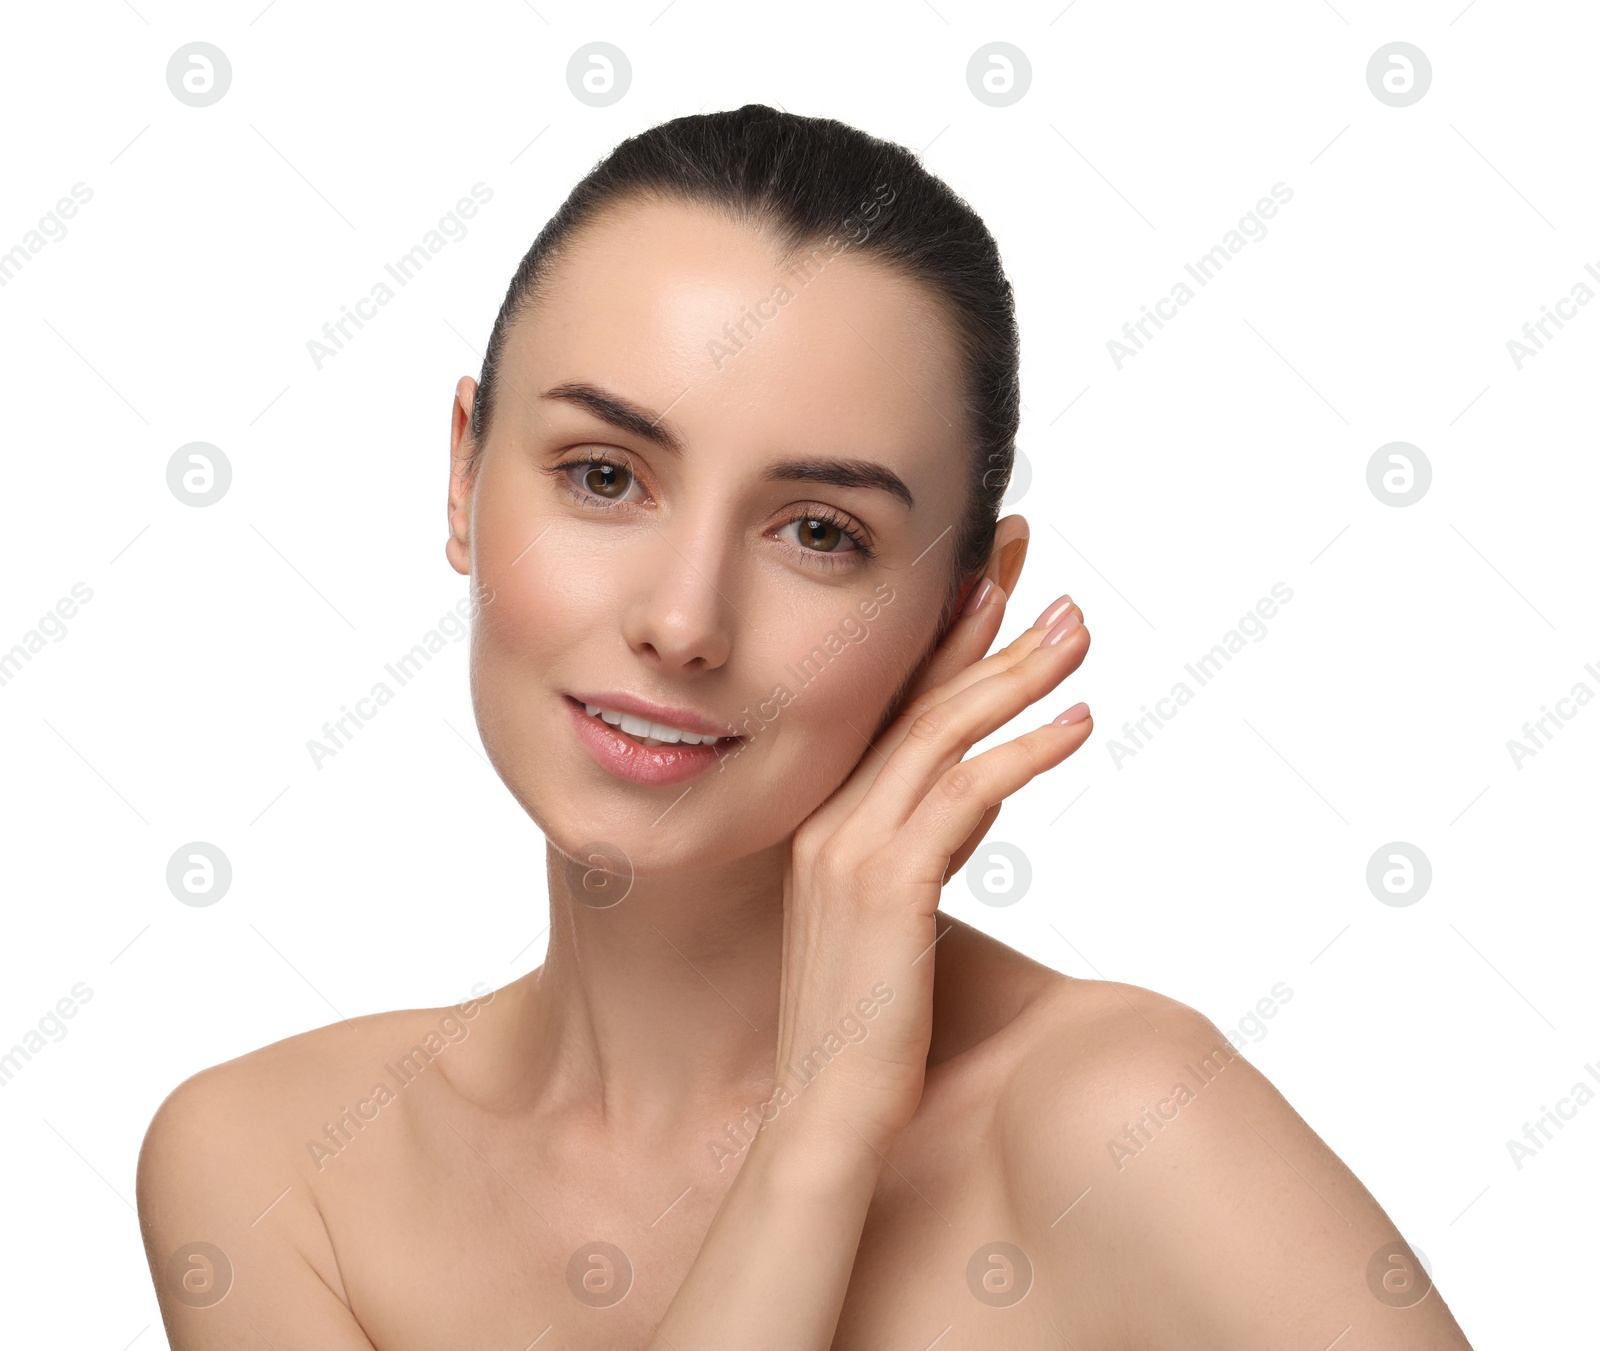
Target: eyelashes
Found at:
x=840, y=522
x=823, y=515
x=591, y=462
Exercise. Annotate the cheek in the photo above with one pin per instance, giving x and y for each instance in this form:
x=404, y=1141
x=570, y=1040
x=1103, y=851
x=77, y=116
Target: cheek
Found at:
x=534, y=597
x=841, y=678
x=518, y=631
x=530, y=561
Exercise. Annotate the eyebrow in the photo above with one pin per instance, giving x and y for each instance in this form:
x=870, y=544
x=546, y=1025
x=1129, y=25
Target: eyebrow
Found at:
x=842, y=474
x=651, y=427
x=616, y=410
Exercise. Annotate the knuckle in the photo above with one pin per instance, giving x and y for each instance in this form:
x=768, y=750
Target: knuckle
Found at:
x=808, y=847
x=822, y=856
x=959, y=784
x=1016, y=682
x=929, y=725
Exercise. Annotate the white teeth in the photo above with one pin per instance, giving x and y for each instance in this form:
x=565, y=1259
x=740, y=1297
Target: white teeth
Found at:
x=643, y=727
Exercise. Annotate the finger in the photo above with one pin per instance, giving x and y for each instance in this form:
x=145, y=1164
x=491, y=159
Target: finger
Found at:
x=952, y=668
x=984, y=624
x=939, y=737
x=972, y=841
x=931, y=693
x=954, y=808
x=966, y=640
x=961, y=649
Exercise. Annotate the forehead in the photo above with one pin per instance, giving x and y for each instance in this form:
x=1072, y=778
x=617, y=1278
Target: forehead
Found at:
x=676, y=306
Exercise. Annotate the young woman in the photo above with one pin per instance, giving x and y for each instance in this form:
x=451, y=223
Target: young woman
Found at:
x=727, y=494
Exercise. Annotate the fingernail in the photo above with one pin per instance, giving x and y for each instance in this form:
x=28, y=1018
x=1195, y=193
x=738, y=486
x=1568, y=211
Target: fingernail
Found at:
x=1077, y=713
x=1062, y=630
x=1052, y=613
x=980, y=594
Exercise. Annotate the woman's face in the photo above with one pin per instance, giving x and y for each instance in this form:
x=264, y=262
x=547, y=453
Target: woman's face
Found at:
x=741, y=553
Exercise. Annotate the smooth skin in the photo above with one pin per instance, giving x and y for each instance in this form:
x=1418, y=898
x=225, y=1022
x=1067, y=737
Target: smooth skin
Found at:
x=967, y=1166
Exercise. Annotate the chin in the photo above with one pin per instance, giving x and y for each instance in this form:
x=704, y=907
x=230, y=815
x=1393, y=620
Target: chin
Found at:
x=632, y=811
x=622, y=829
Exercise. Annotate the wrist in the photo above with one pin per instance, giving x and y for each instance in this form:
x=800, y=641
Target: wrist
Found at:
x=817, y=1152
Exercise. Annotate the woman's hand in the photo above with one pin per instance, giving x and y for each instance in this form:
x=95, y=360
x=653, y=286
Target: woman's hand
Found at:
x=866, y=868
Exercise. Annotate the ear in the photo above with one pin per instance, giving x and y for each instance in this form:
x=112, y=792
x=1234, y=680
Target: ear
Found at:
x=1005, y=558
x=1010, y=549
x=458, y=510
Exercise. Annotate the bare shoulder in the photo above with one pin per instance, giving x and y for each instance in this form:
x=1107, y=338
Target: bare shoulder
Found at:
x=253, y=1104
x=1144, y=1155
x=226, y=1183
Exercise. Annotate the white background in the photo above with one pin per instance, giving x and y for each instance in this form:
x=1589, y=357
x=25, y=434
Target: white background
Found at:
x=1167, y=496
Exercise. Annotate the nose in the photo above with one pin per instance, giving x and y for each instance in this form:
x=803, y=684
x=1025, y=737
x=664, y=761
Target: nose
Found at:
x=679, y=613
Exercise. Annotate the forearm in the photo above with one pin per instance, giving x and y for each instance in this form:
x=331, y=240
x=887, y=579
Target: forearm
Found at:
x=777, y=1258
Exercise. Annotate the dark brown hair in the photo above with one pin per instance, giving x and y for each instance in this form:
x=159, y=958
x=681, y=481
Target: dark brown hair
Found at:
x=801, y=178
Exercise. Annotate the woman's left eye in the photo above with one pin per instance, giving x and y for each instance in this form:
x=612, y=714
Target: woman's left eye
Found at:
x=822, y=534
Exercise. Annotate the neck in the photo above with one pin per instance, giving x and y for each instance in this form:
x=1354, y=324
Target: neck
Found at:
x=660, y=1006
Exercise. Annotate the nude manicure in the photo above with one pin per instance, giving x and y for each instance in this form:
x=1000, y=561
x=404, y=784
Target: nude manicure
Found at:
x=1063, y=630
x=1052, y=613
x=979, y=595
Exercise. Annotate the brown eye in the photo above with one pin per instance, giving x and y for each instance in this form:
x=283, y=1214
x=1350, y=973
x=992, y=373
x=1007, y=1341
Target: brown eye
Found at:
x=596, y=480
x=825, y=537
x=606, y=480
x=822, y=536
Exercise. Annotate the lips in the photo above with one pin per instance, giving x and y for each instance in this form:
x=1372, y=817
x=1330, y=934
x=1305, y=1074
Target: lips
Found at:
x=626, y=757
x=683, y=719
x=646, y=731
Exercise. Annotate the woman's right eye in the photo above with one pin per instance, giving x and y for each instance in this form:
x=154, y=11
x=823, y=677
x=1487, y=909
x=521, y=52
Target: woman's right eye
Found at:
x=598, y=479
